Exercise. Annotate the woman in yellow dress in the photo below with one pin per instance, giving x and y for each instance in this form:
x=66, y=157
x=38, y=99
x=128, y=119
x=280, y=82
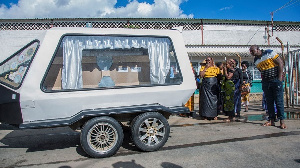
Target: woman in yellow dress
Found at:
x=209, y=90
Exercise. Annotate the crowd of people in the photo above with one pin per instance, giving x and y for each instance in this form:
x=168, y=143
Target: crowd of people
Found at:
x=222, y=88
x=225, y=87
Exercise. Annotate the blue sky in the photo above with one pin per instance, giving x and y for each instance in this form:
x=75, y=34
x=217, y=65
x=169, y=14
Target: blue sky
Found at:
x=206, y=9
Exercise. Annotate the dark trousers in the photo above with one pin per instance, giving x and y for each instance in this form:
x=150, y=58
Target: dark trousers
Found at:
x=273, y=90
x=237, y=98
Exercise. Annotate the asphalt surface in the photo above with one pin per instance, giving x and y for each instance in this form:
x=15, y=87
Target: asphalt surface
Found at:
x=192, y=143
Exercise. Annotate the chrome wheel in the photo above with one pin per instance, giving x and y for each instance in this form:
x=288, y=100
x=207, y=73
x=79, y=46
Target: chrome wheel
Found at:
x=102, y=137
x=150, y=131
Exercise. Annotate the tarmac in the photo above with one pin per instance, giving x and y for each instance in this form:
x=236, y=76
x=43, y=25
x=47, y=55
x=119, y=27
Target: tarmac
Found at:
x=255, y=113
x=193, y=143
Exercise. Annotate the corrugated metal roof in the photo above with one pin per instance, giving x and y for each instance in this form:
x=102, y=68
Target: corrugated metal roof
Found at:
x=219, y=54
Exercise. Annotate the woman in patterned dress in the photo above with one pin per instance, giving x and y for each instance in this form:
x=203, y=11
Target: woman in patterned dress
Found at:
x=228, y=87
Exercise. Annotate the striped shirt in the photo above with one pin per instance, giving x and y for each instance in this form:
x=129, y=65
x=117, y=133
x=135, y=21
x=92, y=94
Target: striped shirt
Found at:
x=266, y=65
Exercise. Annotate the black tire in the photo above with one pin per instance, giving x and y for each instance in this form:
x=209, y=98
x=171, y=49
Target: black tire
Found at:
x=150, y=131
x=101, y=137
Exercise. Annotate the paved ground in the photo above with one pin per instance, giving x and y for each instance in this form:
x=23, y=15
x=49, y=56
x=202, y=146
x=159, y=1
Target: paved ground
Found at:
x=255, y=113
x=193, y=143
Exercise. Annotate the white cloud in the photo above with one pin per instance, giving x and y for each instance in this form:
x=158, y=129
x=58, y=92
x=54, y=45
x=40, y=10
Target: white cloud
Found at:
x=92, y=9
x=226, y=8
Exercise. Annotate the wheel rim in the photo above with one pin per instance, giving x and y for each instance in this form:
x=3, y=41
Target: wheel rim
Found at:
x=102, y=137
x=151, y=131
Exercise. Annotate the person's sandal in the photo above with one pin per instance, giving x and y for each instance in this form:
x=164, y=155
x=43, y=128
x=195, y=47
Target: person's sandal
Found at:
x=268, y=123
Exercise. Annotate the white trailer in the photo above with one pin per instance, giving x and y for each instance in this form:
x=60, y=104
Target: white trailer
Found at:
x=95, y=80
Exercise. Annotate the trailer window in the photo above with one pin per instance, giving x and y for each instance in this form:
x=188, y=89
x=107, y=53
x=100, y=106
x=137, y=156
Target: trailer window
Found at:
x=14, y=69
x=83, y=62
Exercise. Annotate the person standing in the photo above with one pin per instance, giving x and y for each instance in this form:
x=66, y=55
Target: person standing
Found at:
x=271, y=67
x=228, y=87
x=238, y=81
x=221, y=79
x=247, y=83
x=209, y=90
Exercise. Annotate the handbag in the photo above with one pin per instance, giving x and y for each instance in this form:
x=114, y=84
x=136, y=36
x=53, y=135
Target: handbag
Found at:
x=245, y=89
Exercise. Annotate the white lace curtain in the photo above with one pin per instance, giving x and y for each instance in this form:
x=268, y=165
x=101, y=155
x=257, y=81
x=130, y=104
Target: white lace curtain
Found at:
x=158, y=50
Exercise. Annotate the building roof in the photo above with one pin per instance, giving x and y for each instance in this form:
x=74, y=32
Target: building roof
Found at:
x=206, y=21
x=145, y=23
x=219, y=54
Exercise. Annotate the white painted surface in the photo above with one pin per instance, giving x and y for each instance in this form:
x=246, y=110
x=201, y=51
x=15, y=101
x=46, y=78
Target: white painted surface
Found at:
x=37, y=105
x=12, y=40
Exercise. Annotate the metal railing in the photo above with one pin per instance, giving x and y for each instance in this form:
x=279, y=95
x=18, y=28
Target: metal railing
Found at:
x=293, y=76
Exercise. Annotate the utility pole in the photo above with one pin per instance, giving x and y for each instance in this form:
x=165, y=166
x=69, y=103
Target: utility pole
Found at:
x=272, y=16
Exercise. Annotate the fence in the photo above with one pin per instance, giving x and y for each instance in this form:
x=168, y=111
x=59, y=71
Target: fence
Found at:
x=293, y=79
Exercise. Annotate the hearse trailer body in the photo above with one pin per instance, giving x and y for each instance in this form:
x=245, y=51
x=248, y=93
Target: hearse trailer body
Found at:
x=94, y=79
